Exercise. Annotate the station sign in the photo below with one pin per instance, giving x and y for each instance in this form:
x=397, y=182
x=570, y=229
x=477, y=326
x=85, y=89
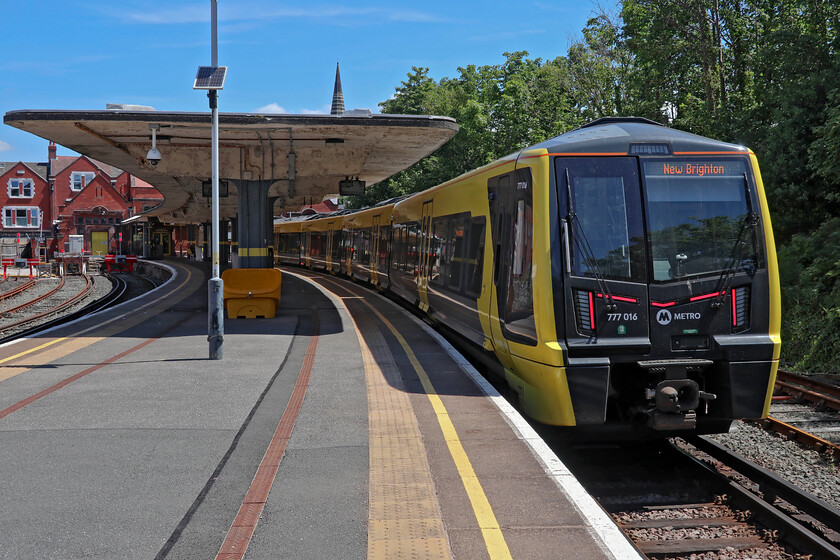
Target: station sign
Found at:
x=207, y=189
x=351, y=187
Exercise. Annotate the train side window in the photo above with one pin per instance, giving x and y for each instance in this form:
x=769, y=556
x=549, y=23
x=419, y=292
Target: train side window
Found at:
x=355, y=246
x=519, y=312
x=475, y=257
x=397, y=248
x=336, y=245
x=364, y=249
x=457, y=252
x=316, y=247
x=413, y=249
x=438, y=247
x=384, y=247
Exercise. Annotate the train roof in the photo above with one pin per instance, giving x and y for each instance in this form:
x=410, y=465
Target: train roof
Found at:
x=625, y=135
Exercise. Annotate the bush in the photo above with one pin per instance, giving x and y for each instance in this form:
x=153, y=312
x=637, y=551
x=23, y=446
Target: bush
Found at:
x=809, y=267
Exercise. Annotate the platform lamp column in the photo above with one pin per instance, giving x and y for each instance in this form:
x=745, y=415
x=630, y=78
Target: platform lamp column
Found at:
x=212, y=78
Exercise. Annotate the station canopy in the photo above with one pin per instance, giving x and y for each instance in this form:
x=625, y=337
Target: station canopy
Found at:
x=252, y=147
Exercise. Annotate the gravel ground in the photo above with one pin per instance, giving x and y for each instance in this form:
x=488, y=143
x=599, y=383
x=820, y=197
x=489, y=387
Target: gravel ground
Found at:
x=811, y=471
x=101, y=288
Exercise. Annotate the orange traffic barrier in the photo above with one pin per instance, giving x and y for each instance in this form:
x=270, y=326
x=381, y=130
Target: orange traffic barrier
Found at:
x=251, y=292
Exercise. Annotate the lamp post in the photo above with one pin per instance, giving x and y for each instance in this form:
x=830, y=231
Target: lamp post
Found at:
x=212, y=78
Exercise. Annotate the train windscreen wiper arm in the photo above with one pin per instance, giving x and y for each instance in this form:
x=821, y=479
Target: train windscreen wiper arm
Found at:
x=749, y=224
x=582, y=243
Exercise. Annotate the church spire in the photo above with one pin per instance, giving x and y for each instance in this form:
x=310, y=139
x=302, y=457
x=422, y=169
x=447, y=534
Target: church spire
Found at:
x=338, y=96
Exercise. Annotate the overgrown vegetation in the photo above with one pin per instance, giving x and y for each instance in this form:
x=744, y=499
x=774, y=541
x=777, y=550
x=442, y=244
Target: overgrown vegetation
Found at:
x=763, y=73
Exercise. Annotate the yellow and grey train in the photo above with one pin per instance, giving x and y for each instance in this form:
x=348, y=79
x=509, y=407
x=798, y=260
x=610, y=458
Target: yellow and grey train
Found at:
x=622, y=277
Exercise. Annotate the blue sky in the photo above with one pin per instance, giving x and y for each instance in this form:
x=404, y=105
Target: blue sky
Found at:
x=80, y=55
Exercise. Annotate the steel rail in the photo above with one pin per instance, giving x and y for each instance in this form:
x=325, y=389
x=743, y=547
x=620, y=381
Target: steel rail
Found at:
x=33, y=301
x=772, y=486
x=64, y=305
x=17, y=290
x=800, y=436
x=113, y=296
x=809, y=389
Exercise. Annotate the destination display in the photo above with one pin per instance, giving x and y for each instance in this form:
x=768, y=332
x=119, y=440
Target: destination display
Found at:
x=672, y=168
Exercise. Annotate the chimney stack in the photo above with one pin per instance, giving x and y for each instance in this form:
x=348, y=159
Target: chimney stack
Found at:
x=51, y=151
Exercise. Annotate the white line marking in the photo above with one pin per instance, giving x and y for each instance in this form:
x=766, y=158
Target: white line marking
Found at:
x=602, y=528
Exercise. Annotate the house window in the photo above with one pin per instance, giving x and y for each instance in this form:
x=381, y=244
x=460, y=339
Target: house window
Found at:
x=21, y=188
x=22, y=217
x=78, y=179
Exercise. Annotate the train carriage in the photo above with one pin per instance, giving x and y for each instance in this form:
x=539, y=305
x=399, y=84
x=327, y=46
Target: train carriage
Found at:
x=288, y=241
x=621, y=276
x=368, y=234
x=322, y=241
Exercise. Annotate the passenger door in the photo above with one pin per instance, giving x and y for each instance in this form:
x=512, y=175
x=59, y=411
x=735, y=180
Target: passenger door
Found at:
x=374, y=252
x=426, y=261
x=605, y=266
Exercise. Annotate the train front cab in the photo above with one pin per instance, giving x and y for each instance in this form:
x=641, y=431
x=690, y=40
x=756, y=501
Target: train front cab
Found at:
x=666, y=289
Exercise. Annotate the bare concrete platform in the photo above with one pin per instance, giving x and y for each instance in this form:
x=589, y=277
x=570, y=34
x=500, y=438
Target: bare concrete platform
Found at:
x=342, y=428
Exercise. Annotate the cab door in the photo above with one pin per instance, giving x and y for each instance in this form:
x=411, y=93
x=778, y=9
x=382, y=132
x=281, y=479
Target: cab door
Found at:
x=512, y=229
x=604, y=258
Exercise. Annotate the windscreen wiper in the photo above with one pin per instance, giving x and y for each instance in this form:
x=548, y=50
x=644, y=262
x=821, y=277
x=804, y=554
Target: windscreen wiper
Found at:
x=749, y=224
x=576, y=231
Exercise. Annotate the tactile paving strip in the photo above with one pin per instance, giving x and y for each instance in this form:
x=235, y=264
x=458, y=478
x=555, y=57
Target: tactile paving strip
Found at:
x=404, y=517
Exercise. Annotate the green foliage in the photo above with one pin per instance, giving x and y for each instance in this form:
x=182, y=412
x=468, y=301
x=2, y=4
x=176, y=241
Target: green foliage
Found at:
x=499, y=108
x=810, y=275
x=762, y=73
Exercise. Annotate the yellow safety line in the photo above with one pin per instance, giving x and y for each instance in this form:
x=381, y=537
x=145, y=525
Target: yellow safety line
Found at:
x=90, y=340
x=24, y=353
x=494, y=540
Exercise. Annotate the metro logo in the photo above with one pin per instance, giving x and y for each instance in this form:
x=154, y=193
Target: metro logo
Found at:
x=664, y=317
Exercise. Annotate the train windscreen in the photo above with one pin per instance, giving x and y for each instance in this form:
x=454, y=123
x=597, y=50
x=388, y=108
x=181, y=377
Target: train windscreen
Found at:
x=604, y=195
x=698, y=217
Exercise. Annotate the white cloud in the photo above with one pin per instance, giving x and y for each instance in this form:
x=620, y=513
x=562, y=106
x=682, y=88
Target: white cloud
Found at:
x=5, y=147
x=183, y=14
x=271, y=108
x=260, y=11
x=324, y=110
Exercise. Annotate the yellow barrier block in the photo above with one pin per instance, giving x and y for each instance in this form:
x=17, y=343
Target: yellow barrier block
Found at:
x=251, y=292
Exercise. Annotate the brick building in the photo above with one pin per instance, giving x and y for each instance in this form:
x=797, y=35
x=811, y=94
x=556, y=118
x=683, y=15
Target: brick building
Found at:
x=71, y=196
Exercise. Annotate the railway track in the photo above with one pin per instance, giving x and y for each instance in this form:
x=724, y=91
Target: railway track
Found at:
x=806, y=410
x=56, y=307
x=54, y=301
x=694, y=500
x=16, y=290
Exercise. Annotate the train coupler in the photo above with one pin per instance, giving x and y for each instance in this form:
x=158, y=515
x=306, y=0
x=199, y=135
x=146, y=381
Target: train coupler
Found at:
x=676, y=401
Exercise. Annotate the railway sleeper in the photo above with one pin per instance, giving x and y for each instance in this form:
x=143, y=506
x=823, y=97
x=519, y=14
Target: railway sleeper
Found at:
x=691, y=546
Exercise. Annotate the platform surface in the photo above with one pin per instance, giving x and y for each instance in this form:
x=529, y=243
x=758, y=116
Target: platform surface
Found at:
x=341, y=428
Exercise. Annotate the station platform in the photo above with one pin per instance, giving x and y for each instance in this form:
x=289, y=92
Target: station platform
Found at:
x=342, y=428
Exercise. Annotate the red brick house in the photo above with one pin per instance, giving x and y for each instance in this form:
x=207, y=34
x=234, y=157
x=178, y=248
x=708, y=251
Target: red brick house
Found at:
x=24, y=203
x=71, y=195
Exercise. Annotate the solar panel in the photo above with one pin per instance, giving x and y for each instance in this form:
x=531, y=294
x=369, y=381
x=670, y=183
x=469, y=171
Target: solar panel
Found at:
x=210, y=77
